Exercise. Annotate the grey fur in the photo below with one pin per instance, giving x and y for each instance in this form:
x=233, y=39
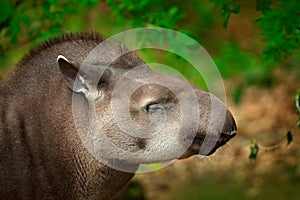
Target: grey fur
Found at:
x=41, y=154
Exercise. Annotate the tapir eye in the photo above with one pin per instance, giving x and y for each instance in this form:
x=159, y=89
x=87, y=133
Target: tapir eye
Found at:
x=154, y=107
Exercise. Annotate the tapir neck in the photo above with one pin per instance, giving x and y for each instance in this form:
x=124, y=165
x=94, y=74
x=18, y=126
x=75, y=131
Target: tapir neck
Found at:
x=41, y=154
x=97, y=181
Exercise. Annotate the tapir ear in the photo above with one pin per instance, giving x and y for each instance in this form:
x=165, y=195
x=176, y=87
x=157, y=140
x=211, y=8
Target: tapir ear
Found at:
x=66, y=68
x=79, y=84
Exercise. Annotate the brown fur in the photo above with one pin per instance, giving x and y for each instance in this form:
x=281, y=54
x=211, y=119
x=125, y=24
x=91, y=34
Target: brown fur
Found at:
x=41, y=154
x=41, y=157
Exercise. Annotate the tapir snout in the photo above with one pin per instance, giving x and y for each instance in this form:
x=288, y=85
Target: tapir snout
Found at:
x=216, y=126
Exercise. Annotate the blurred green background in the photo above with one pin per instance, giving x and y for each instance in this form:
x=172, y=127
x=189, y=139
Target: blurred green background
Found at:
x=255, y=45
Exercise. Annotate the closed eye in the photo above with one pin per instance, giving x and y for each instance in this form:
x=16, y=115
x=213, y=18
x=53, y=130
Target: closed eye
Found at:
x=154, y=107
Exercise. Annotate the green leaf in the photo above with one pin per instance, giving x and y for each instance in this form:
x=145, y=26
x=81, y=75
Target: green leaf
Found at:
x=6, y=10
x=280, y=26
x=87, y=2
x=226, y=19
x=289, y=137
x=253, y=150
x=173, y=11
x=263, y=5
x=297, y=99
x=14, y=28
x=227, y=8
x=26, y=20
x=237, y=94
x=236, y=9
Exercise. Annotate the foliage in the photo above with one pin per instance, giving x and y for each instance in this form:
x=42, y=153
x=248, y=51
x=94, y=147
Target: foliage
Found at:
x=243, y=64
x=297, y=99
x=33, y=21
x=282, y=26
x=134, y=190
x=228, y=7
x=43, y=19
x=155, y=12
x=280, y=23
x=23, y=22
x=254, y=147
x=253, y=150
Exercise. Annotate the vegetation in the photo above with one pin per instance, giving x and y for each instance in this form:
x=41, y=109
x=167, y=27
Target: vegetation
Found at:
x=27, y=23
x=39, y=20
x=24, y=22
x=270, y=44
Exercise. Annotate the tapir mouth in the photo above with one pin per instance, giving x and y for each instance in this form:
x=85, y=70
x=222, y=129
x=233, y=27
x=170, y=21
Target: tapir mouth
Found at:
x=206, y=145
x=213, y=143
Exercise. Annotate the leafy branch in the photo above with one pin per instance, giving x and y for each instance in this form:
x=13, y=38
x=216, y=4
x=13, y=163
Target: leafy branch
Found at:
x=280, y=24
x=155, y=12
x=255, y=147
x=23, y=22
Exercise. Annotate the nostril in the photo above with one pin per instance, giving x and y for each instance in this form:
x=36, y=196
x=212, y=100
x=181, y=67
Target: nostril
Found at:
x=229, y=127
x=233, y=128
x=232, y=133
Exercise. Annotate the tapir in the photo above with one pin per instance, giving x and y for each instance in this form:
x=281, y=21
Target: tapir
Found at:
x=65, y=134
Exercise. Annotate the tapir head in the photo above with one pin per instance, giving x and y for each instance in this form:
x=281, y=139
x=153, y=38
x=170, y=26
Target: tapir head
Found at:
x=124, y=111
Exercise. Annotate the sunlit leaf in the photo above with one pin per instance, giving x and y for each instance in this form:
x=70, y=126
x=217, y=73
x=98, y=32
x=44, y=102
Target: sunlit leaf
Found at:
x=253, y=150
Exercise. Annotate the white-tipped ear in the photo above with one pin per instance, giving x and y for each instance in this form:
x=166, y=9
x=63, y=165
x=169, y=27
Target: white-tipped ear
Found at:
x=67, y=68
x=70, y=73
x=83, y=81
x=62, y=57
x=75, y=80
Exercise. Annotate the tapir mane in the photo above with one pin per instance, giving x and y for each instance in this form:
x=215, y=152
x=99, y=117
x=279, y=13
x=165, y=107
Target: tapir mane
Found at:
x=92, y=36
x=76, y=46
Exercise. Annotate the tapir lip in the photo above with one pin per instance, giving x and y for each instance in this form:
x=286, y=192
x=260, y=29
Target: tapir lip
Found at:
x=212, y=143
x=224, y=137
